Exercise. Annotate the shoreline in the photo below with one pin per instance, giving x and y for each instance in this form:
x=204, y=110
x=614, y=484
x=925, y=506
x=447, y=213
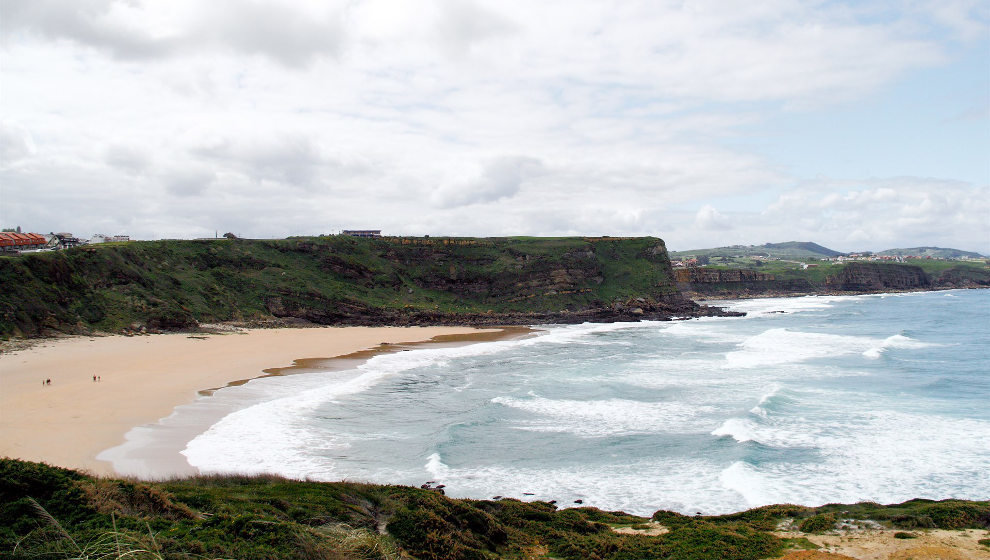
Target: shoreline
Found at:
x=142, y=379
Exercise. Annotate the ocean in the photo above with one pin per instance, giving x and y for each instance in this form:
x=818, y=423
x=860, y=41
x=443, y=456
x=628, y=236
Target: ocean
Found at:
x=806, y=400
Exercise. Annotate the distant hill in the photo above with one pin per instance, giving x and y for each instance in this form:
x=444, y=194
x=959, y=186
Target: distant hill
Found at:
x=934, y=252
x=786, y=250
x=802, y=246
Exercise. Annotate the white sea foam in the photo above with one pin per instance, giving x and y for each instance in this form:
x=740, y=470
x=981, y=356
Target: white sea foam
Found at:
x=782, y=346
x=607, y=417
x=276, y=435
x=673, y=484
x=887, y=457
x=435, y=467
x=759, y=409
x=740, y=429
x=744, y=479
x=714, y=331
x=767, y=306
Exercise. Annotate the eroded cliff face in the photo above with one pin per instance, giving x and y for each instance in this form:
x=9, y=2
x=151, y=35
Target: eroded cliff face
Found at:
x=854, y=277
x=700, y=283
x=868, y=277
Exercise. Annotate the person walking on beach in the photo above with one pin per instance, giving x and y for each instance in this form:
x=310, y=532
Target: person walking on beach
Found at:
x=94, y=379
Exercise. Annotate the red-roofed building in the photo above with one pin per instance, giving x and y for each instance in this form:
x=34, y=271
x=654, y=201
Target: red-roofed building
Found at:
x=11, y=242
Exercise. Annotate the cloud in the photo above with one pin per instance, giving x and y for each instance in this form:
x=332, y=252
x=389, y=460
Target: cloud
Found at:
x=501, y=178
x=127, y=158
x=291, y=160
x=879, y=213
x=98, y=23
x=463, y=23
x=128, y=29
x=287, y=34
x=15, y=143
x=708, y=218
x=473, y=117
x=189, y=182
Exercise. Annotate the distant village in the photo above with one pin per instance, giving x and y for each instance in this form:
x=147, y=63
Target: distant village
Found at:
x=14, y=241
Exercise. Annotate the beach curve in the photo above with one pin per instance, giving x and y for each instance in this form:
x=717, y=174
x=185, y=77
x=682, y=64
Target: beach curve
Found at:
x=102, y=387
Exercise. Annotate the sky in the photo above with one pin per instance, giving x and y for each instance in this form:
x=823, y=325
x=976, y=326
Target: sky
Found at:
x=860, y=125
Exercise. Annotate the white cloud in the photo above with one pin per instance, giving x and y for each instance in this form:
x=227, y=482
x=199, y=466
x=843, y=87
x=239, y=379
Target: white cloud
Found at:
x=501, y=178
x=879, y=213
x=433, y=116
x=15, y=143
x=709, y=218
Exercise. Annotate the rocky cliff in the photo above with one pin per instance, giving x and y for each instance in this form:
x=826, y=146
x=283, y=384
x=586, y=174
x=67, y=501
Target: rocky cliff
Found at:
x=853, y=277
x=733, y=283
x=869, y=277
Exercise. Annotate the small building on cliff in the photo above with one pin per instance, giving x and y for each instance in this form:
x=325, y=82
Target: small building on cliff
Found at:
x=363, y=232
x=11, y=242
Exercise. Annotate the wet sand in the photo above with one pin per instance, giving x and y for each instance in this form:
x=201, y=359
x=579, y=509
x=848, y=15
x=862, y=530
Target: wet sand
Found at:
x=141, y=379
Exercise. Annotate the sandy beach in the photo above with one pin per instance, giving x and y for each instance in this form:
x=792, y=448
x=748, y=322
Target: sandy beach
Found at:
x=142, y=378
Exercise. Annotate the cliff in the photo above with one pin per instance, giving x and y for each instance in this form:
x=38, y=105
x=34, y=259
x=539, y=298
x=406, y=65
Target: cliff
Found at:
x=734, y=283
x=168, y=285
x=852, y=277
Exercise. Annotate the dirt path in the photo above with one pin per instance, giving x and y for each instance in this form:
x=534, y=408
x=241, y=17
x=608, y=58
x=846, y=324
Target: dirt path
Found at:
x=877, y=544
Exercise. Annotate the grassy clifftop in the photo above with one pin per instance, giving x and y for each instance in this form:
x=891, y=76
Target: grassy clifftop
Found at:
x=47, y=512
x=336, y=280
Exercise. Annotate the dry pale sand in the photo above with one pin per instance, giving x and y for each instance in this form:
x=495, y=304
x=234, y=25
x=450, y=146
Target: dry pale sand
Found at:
x=930, y=544
x=142, y=378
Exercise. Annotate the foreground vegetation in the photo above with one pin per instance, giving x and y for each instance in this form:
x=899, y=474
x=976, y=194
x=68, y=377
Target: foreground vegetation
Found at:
x=47, y=512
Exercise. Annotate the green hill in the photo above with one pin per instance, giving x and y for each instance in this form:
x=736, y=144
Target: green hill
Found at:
x=786, y=250
x=164, y=285
x=800, y=248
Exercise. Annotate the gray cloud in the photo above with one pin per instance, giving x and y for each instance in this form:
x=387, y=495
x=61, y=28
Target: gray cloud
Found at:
x=127, y=158
x=189, y=182
x=15, y=143
x=273, y=29
x=86, y=22
x=463, y=23
x=501, y=178
x=264, y=27
x=708, y=218
x=292, y=160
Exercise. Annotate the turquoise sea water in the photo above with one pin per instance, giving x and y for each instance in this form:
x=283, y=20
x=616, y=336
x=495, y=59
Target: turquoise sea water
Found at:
x=806, y=400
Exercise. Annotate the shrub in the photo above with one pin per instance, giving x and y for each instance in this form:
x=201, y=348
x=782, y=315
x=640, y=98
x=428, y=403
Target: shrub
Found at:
x=818, y=523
